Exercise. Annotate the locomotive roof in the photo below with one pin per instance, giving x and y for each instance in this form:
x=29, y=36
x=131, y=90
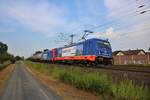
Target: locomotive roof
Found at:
x=92, y=39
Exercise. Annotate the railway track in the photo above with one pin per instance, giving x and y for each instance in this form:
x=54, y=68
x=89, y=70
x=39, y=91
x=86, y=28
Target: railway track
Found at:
x=125, y=68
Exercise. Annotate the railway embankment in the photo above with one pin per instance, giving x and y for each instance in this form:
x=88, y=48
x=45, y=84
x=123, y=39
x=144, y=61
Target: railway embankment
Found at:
x=100, y=83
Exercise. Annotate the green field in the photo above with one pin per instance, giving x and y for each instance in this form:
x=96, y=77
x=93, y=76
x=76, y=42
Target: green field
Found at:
x=94, y=82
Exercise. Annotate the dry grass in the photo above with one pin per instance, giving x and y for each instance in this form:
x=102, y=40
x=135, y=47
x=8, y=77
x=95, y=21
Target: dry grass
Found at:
x=4, y=75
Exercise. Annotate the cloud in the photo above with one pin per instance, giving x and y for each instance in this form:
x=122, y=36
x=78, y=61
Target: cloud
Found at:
x=108, y=34
x=41, y=17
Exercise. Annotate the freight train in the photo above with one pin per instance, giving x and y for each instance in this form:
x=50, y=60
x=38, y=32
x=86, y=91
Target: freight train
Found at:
x=89, y=52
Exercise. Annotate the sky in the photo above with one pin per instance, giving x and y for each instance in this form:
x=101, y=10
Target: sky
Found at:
x=30, y=25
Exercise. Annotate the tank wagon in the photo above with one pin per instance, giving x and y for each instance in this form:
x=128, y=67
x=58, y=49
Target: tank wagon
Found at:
x=92, y=51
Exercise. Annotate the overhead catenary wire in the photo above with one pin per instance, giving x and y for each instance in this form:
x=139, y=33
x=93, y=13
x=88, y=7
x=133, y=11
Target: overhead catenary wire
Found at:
x=115, y=22
x=107, y=24
x=121, y=17
x=129, y=14
x=123, y=11
x=120, y=28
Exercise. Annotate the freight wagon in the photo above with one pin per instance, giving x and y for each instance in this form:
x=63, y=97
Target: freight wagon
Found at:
x=37, y=56
x=92, y=51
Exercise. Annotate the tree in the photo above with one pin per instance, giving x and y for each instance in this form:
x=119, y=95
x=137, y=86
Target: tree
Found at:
x=4, y=55
x=3, y=48
x=18, y=58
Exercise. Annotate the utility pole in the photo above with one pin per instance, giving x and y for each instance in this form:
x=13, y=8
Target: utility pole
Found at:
x=71, y=36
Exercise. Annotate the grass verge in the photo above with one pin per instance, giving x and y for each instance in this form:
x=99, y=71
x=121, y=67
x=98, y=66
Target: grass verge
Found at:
x=94, y=82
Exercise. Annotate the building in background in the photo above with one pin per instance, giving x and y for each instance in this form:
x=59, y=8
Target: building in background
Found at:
x=138, y=56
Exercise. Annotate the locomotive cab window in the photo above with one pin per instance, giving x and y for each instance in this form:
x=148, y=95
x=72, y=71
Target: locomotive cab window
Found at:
x=103, y=44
